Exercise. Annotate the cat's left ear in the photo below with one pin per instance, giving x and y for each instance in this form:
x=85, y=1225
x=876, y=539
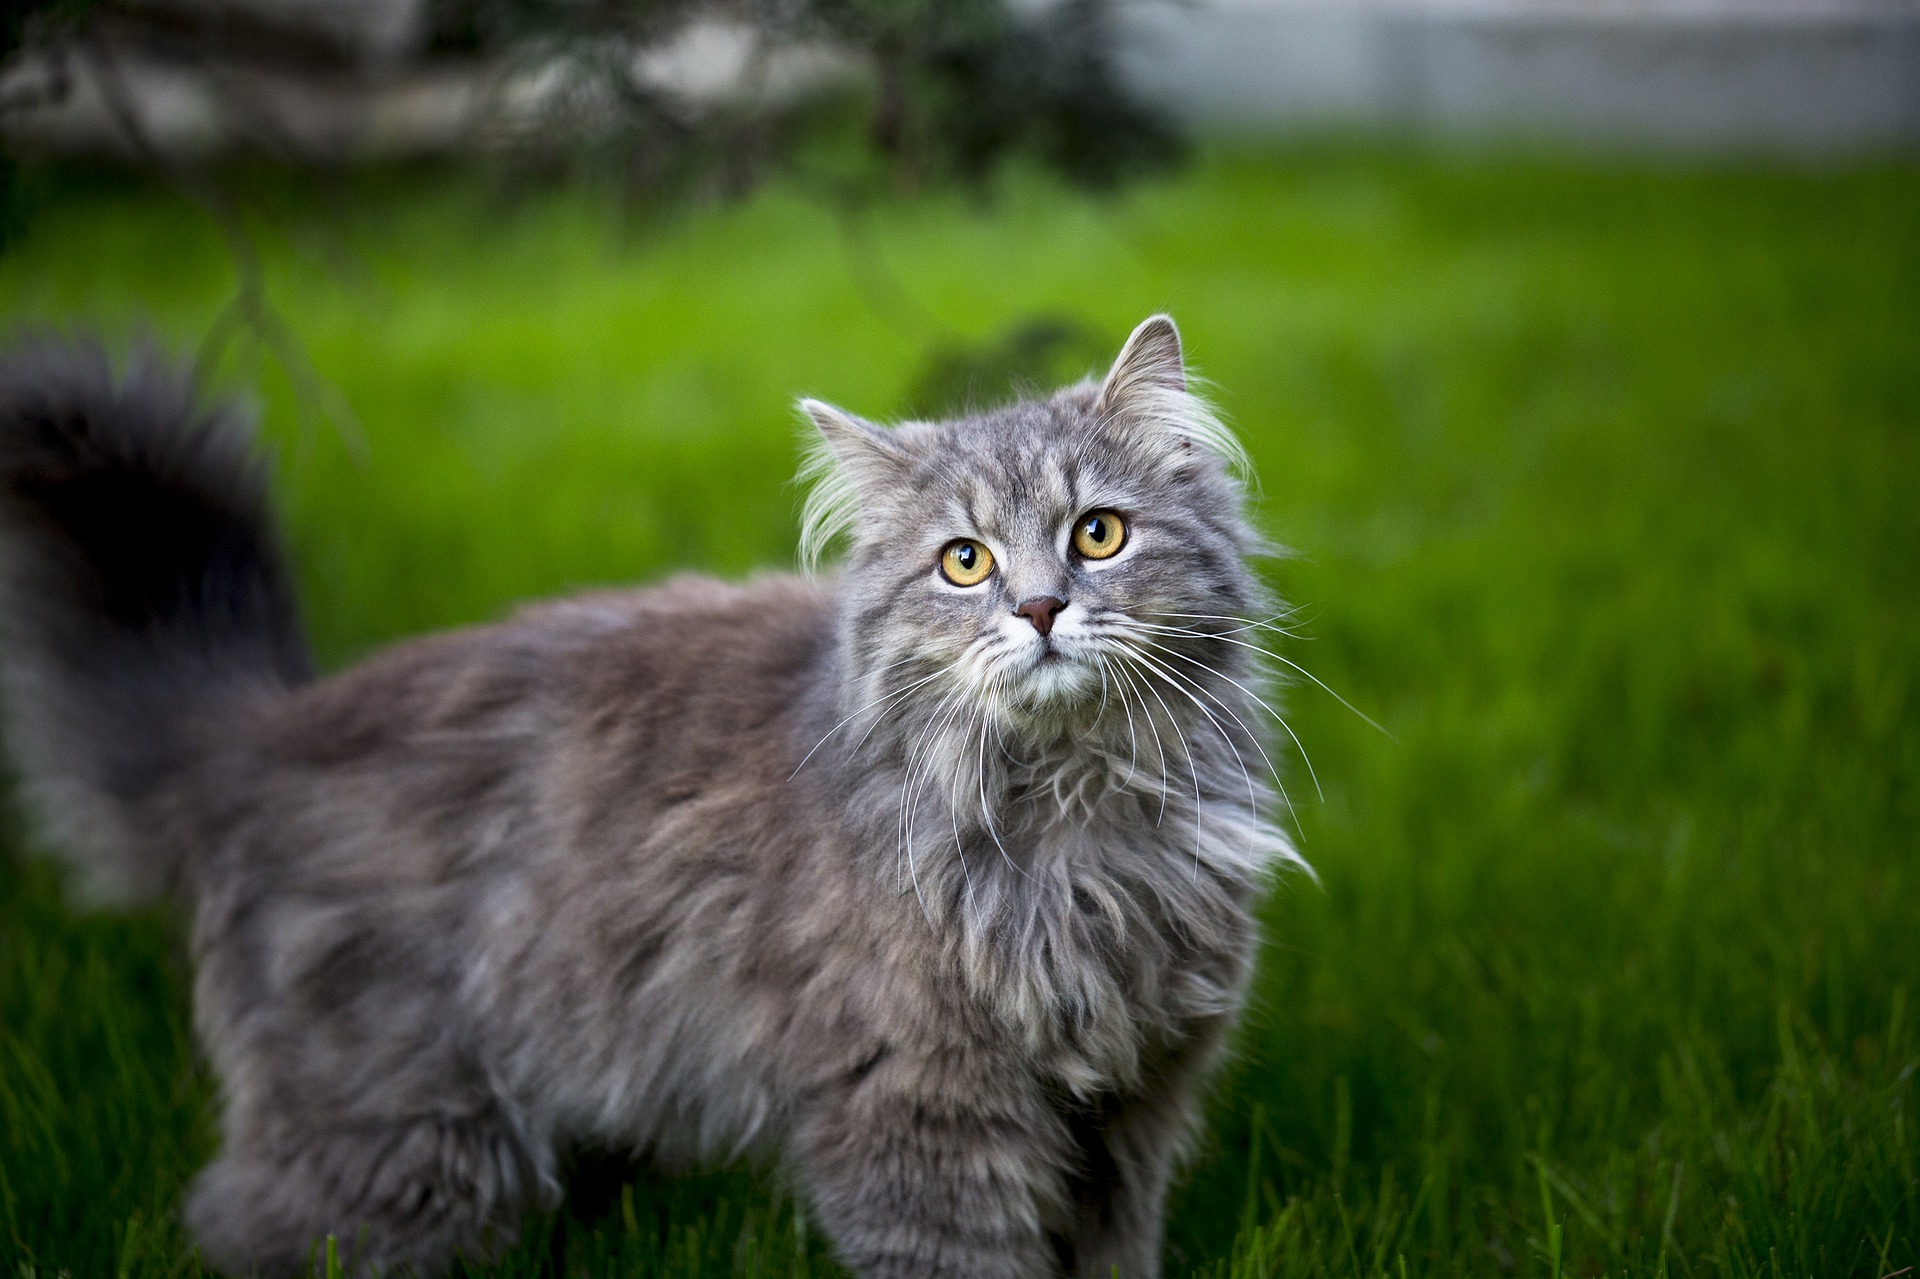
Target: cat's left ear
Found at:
x=1150, y=364
x=1146, y=395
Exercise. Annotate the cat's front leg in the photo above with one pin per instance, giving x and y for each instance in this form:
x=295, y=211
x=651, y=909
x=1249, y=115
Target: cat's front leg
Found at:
x=1126, y=1150
x=1123, y=1171
x=921, y=1171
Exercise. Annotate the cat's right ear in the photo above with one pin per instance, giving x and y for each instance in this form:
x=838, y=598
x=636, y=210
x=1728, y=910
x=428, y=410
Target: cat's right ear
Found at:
x=850, y=458
x=857, y=443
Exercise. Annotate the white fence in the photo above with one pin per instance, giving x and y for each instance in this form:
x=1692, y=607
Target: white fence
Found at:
x=1700, y=76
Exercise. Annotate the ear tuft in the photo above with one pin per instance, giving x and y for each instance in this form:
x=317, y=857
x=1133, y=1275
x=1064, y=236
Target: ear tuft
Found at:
x=847, y=454
x=845, y=433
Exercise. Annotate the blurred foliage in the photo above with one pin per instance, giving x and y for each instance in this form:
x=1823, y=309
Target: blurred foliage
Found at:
x=964, y=83
x=1032, y=355
x=953, y=88
x=958, y=85
x=25, y=20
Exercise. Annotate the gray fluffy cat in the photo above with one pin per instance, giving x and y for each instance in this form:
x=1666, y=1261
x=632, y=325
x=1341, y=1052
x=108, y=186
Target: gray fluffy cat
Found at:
x=932, y=878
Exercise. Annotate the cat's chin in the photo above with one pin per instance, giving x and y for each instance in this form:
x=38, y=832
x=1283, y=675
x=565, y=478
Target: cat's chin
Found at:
x=1055, y=684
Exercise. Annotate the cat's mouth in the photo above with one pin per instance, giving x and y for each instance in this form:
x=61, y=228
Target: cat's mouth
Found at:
x=1051, y=656
x=1053, y=676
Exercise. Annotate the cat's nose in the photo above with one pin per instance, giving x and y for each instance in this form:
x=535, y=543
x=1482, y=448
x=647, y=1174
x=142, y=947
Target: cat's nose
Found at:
x=1040, y=610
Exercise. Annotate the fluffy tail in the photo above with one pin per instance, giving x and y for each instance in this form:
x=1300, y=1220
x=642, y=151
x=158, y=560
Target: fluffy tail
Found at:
x=142, y=590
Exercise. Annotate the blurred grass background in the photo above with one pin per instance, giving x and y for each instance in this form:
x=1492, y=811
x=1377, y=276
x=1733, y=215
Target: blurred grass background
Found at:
x=1602, y=480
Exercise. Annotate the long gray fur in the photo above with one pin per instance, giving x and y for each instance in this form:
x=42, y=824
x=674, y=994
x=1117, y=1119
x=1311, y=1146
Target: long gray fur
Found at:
x=842, y=870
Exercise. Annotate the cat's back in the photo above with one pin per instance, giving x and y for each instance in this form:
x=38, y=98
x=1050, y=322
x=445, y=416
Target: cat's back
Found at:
x=427, y=746
x=692, y=666
x=691, y=642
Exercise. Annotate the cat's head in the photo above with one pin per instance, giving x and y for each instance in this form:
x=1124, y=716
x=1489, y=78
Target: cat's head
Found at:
x=1016, y=558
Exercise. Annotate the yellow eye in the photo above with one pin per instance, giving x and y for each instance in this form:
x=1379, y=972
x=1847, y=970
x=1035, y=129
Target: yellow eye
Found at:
x=1099, y=535
x=966, y=562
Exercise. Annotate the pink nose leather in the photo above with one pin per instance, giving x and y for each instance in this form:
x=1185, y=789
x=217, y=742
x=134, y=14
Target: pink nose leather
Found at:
x=1040, y=610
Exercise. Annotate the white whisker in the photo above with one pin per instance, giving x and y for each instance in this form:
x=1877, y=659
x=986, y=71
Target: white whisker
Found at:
x=1241, y=623
x=909, y=795
x=926, y=775
x=986, y=812
x=1277, y=716
x=1281, y=657
x=1173, y=677
x=1193, y=769
x=1159, y=746
x=1133, y=738
x=885, y=697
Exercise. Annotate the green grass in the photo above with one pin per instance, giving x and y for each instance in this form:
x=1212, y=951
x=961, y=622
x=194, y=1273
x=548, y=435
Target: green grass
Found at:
x=1603, y=483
